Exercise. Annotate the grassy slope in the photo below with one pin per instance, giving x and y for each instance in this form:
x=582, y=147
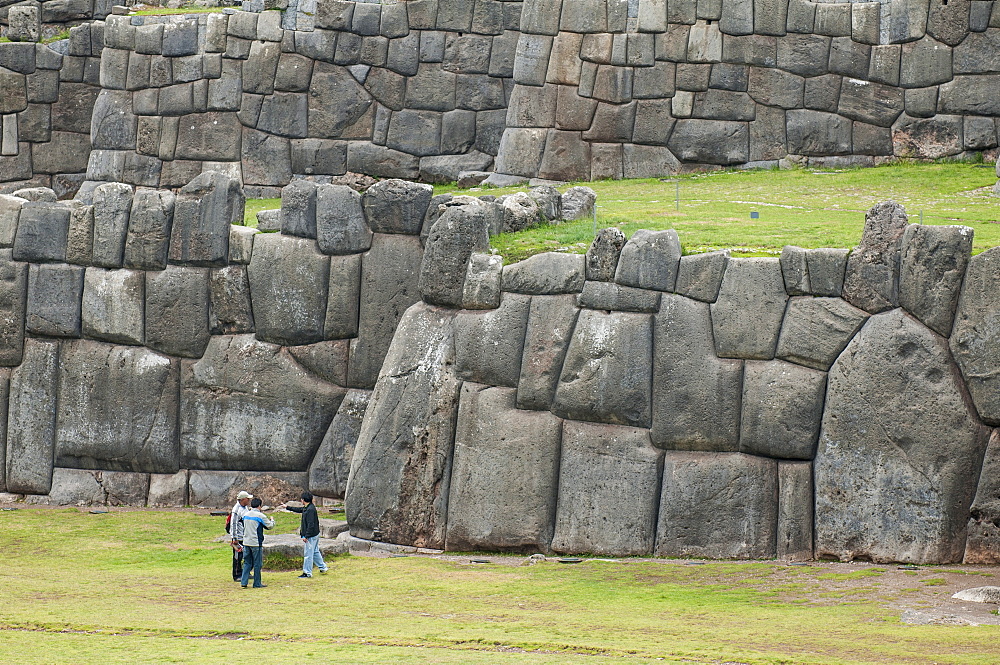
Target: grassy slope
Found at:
x=151, y=586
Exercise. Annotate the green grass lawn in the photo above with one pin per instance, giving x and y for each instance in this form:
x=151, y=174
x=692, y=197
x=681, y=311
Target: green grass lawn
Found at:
x=153, y=587
x=809, y=208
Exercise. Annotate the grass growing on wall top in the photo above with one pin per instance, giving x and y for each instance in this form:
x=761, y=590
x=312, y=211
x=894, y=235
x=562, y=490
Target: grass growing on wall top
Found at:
x=153, y=587
x=805, y=207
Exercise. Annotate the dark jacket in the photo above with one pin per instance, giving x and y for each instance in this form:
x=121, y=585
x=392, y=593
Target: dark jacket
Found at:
x=310, y=520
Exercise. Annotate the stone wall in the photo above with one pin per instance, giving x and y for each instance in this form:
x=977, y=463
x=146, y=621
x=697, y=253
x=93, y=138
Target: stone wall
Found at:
x=635, y=401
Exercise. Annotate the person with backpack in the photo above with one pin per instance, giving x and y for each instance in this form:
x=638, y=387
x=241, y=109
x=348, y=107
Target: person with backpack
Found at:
x=234, y=527
x=309, y=532
x=254, y=523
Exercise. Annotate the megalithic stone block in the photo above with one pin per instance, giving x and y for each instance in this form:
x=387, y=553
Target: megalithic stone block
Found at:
x=326, y=360
x=816, y=330
x=330, y=467
x=795, y=511
x=13, y=306
x=4, y=397
x=149, y=225
x=782, y=409
x=975, y=340
x=455, y=236
x=396, y=206
x=489, y=343
x=10, y=210
x=113, y=308
x=42, y=230
x=80, y=241
x=896, y=493
x=872, y=279
x=31, y=419
x=117, y=408
x=343, y=301
x=112, y=207
x=700, y=275
x=177, y=310
x=229, y=308
x=340, y=221
x=604, y=254
x=609, y=480
x=650, y=260
x=298, y=209
x=983, y=542
x=503, y=457
x=746, y=318
x=401, y=471
x=932, y=267
x=55, y=291
x=203, y=211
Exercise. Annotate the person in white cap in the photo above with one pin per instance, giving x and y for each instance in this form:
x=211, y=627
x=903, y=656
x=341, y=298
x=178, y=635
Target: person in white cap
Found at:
x=235, y=530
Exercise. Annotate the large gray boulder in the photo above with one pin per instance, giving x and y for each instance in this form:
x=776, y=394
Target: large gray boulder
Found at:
x=872, y=278
x=331, y=465
x=650, y=260
x=519, y=211
x=609, y=479
x=340, y=221
x=551, y=321
x=396, y=206
x=326, y=360
x=489, y=343
x=177, y=310
x=718, y=506
x=455, y=236
x=77, y=487
x=782, y=409
x=826, y=268
x=975, y=340
x=816, y=330
x=615, y=297
x=400, y=473
x=13, y=306
x=696, y=396
x=31, y=419
x=931, y=270
x=606, y=375
x=548, y=273
x=117, y=408
x=603, y=255
x=238, y=381
x=203, y=210
x=504, y=475
x=54, y=294
x=149, y=224
x=10, y=210
x=289, y=279
x=700, y=275
x=113, y=306
x=578, y=202
x=112, y=206
x=389, y=278
x=900, y=449
x=746, y=318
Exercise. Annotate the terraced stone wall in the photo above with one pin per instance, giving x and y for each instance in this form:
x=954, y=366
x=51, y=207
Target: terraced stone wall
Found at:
x=635, y=401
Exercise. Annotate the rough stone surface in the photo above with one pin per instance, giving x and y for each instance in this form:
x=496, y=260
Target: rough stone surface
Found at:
x=872, y=278
x=118, y=408
x=455, y=236
x=609, y=477
x=795, y=511
x=696, y=396
x=975, y=340
x=298, y=209
x=331, y=465
x=489, y=344
x=113, y=308
x=650, y=260
x=177, y=311
x=983, y=542
x=203, y=211
x=606, y=375
x=932, y=267
x=396, y=206
x=546, y=273
x=578, y=202
x=238, y=381
x=816, y=330
x=896, y=492
x=700, y=275
x=340, y=221
x=482, y=282
x=401, y=471
x=505, y=472
x=603, y=254
x=826, y=271
x=13, y=306
x=746, y=317
x=31, y=419
x=229, y=308
x=551, y=321
x=149, y=224
x=718, y=505
x=54, y=294
x=782, y=408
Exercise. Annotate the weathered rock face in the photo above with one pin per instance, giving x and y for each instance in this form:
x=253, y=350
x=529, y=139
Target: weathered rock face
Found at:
x=746, y=317
x=400, y=474
x=975, y=340
x=455, y=236
x=782, y=408
x=331, y=466
x=504, y=475
x=117, y=408
x=896, y=492
x=609, y=477
x=932, y=266
x=816, y=330
x=249, y=404
x=983, y=544
x=650, y=260
x=31, y=419
x=489, y=344
x=603, y=255
x=872, y=279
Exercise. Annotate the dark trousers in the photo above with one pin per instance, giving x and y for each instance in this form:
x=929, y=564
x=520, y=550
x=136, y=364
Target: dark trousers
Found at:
x=237, y=563
x=255, y=557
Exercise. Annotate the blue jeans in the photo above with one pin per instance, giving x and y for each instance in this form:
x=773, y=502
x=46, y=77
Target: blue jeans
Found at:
x=311, y=555
x=253, y=557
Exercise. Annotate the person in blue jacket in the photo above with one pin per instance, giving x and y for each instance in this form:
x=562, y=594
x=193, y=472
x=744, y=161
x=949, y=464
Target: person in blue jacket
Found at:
x=309, y=532
x=254, y=523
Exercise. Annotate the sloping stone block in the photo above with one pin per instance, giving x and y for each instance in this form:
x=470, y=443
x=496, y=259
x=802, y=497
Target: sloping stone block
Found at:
x=900, y=449
x=609, y=478
x=816, y=330
x=489, y=344
x=298, y=209
x=482, y=282
x=650, y=260
x=401, y=471
x=826, y=271
x=203, y=211
x=551, y=321
x=240, y=381
x=327, y=360
x=342, y=303
x=782, y=409
x=696, y=396
x=177, y=311
x=872, y=278
x=340, y=221
x=604, y=253
x=289, y=279
x=112, y=206
x=117, y=408
x=331, y=465
x=932, y=267
x=42, y=231
x=746, y=318
x=149, y=224
x=700, y=275
x=504, y=474
x=975, y=340
x=389, y=276
x=614, y=297
x=10, y=210
x=113, y=305
x=983, y=541
x=396, y=206
x=546, y=273
x=31, y=419
x=717, y=505
x=607, y=373
x=54, y=294
x=13, y=308
x=455, y=236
